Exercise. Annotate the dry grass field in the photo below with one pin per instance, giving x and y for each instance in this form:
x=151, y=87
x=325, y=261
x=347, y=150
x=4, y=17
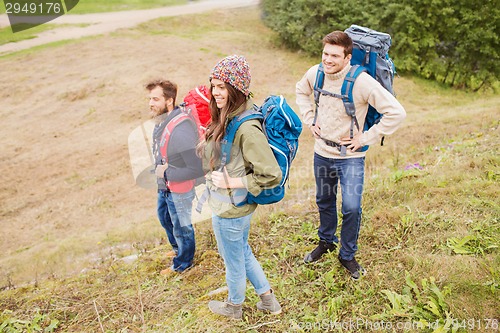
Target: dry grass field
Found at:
x=69, y=209
x=67, y=191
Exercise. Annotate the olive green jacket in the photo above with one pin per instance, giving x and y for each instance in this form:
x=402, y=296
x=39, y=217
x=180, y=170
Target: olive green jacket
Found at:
x=252, y=159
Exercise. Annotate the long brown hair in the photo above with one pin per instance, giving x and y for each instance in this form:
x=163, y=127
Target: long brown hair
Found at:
x=220, y=119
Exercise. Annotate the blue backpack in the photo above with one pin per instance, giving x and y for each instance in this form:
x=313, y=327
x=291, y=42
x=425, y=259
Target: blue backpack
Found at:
x=282, y=128
x=369, y=54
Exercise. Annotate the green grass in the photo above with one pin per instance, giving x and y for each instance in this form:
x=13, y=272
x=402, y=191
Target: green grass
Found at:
x=96, y=6
x=429, y=237
x=7, y=36
x=83, y=7
x=35, y=49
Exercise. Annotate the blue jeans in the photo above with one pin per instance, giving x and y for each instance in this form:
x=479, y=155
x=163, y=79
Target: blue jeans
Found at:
x=350, y=172
x=232, y=242
x=174, y=213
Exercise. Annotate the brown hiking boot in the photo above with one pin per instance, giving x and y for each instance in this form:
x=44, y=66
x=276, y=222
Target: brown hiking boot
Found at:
x=226, y=309
x=171, y=254
x=168, y=272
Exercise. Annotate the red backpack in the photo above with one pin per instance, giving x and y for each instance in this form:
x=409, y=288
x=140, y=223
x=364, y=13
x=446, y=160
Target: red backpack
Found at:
x=197, y=99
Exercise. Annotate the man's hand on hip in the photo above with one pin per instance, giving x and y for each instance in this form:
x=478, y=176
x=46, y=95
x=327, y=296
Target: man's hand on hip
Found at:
x=352, y=144
x=316, y=131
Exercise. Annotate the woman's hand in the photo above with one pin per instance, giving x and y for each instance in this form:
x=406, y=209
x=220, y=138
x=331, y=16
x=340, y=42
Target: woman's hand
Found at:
x=221, y=179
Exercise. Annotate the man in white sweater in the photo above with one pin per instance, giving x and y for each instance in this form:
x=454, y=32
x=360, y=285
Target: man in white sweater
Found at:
x=337, y=156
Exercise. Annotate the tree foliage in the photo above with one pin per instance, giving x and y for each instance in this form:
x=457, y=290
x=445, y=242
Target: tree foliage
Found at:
x=453, y=41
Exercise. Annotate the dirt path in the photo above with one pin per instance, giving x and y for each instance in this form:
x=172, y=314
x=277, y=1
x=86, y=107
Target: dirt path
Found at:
x=102, y=23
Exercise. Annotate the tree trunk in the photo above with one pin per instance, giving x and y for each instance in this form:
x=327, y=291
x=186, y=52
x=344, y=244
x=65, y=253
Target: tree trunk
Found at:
x=481, y=85
x=450, y=65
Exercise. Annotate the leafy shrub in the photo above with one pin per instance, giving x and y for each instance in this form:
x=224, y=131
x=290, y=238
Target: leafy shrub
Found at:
x=454, y=42
x=425, y=308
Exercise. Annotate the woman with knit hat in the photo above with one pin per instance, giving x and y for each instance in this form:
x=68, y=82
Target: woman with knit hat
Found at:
x=251, y=168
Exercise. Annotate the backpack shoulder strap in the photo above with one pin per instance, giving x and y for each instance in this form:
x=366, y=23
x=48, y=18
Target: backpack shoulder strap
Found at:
x=318, y=85
x=167, y=132
x=231, y=130
x=347, y=87
x=346, y=91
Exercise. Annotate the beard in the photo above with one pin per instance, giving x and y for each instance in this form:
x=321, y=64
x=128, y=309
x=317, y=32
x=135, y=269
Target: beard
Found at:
x=156, y=112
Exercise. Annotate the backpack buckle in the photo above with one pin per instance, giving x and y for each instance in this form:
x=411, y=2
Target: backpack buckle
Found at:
x=343, y=150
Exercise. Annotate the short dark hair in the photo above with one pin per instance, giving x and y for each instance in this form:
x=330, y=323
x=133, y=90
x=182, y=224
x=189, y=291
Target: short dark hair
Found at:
x=339, y=38
x=169, y=88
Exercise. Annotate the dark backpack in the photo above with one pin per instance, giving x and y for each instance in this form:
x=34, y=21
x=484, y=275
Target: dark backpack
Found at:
x=371, y=50
x=370, y=55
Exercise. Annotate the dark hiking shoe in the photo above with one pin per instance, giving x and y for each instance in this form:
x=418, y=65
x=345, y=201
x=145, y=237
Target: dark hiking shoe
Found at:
x=353, y=267
x=322, y=248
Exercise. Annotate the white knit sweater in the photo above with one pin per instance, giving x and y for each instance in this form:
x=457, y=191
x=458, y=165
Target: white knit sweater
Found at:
x=332, y=117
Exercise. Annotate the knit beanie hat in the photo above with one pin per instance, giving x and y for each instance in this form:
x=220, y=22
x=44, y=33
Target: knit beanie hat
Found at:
x=235, y=71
